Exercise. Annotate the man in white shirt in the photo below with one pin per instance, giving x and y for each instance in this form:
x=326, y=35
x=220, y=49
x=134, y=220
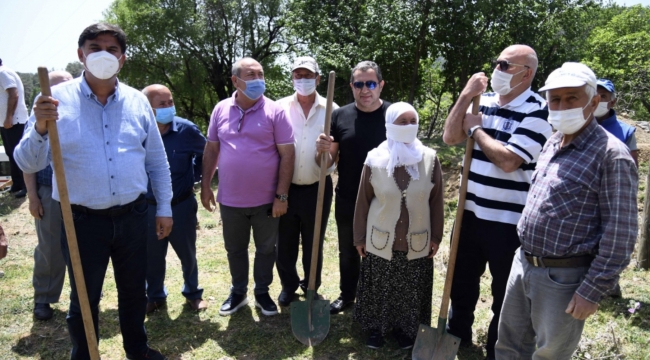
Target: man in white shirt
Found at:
x=13, y=113
x=306, y=112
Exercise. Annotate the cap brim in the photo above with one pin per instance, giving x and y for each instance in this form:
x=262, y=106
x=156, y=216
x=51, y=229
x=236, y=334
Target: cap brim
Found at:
x=562, y=83
x=304, y=67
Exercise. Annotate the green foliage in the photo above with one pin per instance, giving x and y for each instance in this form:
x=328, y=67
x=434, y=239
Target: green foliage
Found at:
x=75, y=68
x=621, y=53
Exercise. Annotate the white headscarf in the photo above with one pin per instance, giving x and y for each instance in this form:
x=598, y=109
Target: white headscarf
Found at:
x=402, y=146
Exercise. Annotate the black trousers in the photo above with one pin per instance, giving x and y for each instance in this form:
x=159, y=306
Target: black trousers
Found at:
x=481, y=242
x=349, y=259
x=10, y=138
x=298, y=223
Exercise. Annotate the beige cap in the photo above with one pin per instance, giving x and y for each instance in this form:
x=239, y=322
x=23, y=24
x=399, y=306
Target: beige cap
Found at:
x=571, y=74
x=305, y=62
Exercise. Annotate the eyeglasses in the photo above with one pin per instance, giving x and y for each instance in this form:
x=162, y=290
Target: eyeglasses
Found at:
x=371, y=85
x=505, y=64
x=241, y=117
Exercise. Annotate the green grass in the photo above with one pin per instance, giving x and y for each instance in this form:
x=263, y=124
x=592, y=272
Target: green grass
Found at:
x=183, y=334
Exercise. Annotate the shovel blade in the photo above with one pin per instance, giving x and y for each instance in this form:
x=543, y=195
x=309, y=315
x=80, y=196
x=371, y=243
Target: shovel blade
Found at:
x=320, y=321
x=435, y=344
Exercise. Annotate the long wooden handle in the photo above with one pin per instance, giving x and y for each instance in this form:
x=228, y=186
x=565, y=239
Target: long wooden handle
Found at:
x=66, y=210
x=321, y=186
x=444, y=306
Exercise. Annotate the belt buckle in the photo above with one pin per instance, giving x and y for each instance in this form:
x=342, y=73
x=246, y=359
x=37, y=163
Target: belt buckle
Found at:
x=535, y=261
x=538, y=262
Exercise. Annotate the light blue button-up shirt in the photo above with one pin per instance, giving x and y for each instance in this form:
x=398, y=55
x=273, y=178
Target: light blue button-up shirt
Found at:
x=109, y=151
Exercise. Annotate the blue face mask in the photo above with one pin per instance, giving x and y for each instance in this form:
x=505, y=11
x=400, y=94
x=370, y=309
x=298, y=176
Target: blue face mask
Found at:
x=165, y=115
x=254, y=88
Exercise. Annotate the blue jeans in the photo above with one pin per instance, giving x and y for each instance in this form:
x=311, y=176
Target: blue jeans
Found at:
x=183, y=240
x=237, y=225
x=533, y=323
x=123, y=240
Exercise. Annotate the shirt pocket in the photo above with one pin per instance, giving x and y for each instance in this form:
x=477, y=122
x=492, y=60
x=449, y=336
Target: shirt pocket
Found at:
x=563, y=200
x=379, y=239
x=418, y=241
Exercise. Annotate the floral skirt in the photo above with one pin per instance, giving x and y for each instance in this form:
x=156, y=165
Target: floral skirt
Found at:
x=394, y=294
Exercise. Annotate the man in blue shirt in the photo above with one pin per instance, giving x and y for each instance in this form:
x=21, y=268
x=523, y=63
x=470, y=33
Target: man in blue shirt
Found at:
x=109, y=143
x=184, y=145
x=606, y=117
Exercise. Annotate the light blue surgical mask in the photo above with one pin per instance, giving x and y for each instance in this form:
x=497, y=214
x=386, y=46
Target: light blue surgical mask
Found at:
x=165, y=115
x=254, y=88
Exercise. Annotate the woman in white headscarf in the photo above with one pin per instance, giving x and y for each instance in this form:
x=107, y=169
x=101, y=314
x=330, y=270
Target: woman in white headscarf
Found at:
x=398, y=225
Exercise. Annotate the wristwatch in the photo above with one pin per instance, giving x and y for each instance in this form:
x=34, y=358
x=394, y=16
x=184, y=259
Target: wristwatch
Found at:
x=282, y=197
x=470, y=132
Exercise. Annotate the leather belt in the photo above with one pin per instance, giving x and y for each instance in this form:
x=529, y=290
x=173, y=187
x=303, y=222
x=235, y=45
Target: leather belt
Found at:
x=175, y=200
x=563, y=262
x=112, y=211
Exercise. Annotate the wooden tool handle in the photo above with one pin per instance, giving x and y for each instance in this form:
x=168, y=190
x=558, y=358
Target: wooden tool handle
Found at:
x=453, y=251
x=321, y=185
x=66, y=210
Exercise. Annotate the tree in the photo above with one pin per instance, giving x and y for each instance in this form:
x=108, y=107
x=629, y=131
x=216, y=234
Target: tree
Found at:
x=75, y=68
x=191, y=45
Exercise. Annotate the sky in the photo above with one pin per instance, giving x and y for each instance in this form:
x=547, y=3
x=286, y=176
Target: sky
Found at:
x=37, y=33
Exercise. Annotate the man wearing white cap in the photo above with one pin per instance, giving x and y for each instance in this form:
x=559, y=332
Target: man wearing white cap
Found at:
x=306, y=112
x=577, y=230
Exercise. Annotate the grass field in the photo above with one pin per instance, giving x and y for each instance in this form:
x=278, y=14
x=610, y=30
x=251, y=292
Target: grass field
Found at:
x=613, y=333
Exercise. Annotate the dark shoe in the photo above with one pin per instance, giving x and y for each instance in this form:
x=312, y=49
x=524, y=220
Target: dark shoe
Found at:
x=286, y=298
x=375, y=341
x=20, y=194
x=403, y=340
x=149, y=354
x=43, y=311
x=266, y=304
x=197, y=304
x=339, y=304
x=232, y=304
x=153, y=306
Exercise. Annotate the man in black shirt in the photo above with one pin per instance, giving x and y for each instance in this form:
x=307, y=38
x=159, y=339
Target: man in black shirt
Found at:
x=356, y=129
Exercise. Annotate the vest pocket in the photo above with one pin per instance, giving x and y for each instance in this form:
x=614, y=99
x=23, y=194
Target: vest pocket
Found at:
x=418, y=241
x=378, y=238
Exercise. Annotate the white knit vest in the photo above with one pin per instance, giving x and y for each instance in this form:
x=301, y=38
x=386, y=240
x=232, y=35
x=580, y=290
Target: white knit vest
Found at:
x=385, y=210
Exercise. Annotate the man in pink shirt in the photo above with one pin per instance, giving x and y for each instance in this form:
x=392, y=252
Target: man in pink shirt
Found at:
x=252, y=140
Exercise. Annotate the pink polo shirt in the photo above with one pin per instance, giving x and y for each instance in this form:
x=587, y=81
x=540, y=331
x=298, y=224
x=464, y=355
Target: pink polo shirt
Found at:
x=248, y=157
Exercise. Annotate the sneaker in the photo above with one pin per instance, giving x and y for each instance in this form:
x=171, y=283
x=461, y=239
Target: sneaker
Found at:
x=149, y=354
x=266, y=304
x=403, y=341
x=233, y=303
x=375, y=341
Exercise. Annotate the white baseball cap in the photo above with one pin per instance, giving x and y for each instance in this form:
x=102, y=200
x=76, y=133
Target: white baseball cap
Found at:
x=571, y=74
x=305, y=62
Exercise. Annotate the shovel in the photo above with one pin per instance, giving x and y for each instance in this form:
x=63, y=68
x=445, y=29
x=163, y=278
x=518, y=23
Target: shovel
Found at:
x=310, y=319
x=438, y=344
x=70, y=232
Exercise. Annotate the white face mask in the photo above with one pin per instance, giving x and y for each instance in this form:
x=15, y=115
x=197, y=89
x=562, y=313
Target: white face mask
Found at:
x=304, y=87
x=102, y=64
x=568, y=121
x=602, y=109
x=500, y=82
x=402, y=133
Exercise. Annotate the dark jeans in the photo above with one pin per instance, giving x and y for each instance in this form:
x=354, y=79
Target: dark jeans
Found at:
x=123, y=240
x=349, y=259
x=183, y=240
x=481, y=242
x=10, y=139
x=237, y=224
x=297, y=223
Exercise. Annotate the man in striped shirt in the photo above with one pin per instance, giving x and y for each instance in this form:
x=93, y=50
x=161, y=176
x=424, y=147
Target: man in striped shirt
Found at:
x=509, y=131
x=578, y=228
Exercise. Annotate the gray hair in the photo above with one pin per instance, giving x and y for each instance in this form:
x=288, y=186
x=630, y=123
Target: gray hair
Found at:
x=589, y=91
x=365, y=66
x=236, y=67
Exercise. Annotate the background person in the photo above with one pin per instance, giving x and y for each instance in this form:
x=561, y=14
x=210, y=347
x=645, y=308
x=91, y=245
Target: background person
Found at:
x=397, y=231
x=356, y=129
x=184, y=146
x=49, y=265
x=509, y=132
x=305, y=109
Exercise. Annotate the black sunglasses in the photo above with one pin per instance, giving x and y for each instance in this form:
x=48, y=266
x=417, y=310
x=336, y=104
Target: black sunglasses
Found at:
x=371, y=85
x=241, y=117
x=505, y=64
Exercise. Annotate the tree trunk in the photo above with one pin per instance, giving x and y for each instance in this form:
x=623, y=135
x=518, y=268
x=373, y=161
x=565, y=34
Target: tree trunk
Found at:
x=643, y=255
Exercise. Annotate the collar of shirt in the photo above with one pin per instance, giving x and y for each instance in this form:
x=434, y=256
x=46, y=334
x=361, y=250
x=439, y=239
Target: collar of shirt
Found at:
x=610, y=119
x=516, y=101
x=320, y=102
x=581, y=140
x=88, y=93
x=259, y=103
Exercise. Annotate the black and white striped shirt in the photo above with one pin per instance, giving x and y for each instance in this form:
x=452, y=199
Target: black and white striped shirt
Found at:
x=521, y=126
